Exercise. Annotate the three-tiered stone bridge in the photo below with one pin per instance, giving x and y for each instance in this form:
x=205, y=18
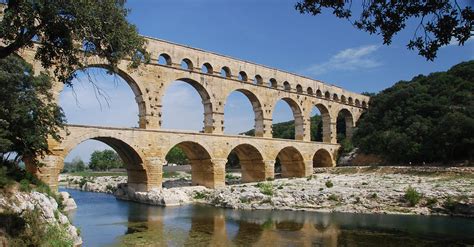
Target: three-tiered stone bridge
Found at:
x=215, y=77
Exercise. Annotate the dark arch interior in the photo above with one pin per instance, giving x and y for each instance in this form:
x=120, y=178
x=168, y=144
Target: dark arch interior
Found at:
x=344, y=125
x=286, y=86
x=200, y=161
x=273, y=83
x=225, y=72
x=243, y=76
x=164, y=59
x=187, y=64
x=207, y=68
x=322, y=158
x=258, y=80
x=292, y=163
x=250, y=162
x=299, y=88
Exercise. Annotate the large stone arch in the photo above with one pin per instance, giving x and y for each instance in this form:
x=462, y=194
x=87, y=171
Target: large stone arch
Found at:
x=323, y=158
x=133, y=159
x=209, y=126
x=257, y=109
x=292, y=162
x=251, y=162
x=326, y=120
x=297, y=116
x=205, y=170
x=144, y=120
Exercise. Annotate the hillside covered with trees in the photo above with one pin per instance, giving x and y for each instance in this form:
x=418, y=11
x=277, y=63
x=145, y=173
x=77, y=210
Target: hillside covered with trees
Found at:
x=427, y=119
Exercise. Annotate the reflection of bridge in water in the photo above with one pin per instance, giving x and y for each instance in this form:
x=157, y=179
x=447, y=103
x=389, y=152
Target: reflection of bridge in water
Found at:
x=214, y=77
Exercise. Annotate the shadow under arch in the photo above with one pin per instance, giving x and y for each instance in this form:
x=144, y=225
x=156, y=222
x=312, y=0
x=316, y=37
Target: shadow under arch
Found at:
x=206, y=102
x=322, y=158
x=297, y=116
x=292, y=162
x=137, y=176
x=134, y=86
x=257, y=109
x=251, y=163
x=203, y=169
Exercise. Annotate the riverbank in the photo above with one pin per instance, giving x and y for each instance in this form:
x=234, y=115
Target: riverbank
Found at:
x=380, y=190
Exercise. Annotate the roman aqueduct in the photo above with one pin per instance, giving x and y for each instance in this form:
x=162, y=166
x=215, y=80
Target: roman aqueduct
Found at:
x=214, y=76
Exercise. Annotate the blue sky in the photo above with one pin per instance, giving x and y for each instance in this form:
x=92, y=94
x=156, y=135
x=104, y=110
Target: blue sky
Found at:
x=269, y=32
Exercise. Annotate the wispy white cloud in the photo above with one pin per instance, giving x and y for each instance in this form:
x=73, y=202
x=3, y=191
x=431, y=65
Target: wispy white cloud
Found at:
x=347, y=60
x=455, y=42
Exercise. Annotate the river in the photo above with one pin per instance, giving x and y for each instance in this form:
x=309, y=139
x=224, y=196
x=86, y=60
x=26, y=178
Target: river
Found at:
x=105, y=221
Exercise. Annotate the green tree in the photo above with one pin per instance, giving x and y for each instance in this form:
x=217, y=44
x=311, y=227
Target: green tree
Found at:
x=68, y=30
x=177, y=156
x=437, y=22
x=105, y=160
x=430, y=118
x=28, y=113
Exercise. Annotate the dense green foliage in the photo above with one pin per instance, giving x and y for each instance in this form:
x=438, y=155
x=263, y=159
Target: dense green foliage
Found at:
x=177, y=156
x=437, y=22
x=69, y=29
x=28, y=113
x=430, y=118
x=105, y=160
x=76, y=165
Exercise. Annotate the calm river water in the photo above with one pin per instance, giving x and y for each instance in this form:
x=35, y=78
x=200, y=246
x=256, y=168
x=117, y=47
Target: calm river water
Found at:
x=105, y=221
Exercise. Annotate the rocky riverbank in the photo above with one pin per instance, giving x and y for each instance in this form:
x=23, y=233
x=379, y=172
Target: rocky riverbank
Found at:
x=39, y=213
x=392, y=190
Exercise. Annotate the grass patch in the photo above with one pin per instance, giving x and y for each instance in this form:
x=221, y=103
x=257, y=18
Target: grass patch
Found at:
x=265, y=188
x=333, y=197
x=374, y=196
x=412, y=196
x=198, y=195
x=329, y=184
x=170, y=174
x=230, y=176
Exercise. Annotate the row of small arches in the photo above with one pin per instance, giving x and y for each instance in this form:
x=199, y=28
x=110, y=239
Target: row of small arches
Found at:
x=187, y=64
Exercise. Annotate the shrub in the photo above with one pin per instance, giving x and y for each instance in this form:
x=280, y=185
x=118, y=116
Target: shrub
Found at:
x=198, y=195
x=373, y=196
x=265, y=188
x=333, y=197
x=431, y=202
x=412, y=196
x=364, y=183
x=230, y=176
x=25, y=185
x=329, y=184
x=357, y=200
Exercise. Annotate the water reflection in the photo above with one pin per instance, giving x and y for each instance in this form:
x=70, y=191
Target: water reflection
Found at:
x=146, y=225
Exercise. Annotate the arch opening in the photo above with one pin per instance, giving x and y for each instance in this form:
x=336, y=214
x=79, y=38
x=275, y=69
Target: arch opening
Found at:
x=335, y=97
x=286, y=86
x=258, y=80
x=327, y=95
x=286, y=113
x=164, y=59
x=105, y=153
x=207, y=68
x=273, y=83
x=309, y=91
x=179, y=110
x=225, y=72
x=243, y=76
x=299, y=88
x=320, y=123
x=344, y=125
x=102, y=98
x=241, y=103
x=186, y=64
x=292, y=163
x=203, y=170
x=350, y=101
x=319, y=93
x=343, y=99
x=245, y=162
x=322, y=158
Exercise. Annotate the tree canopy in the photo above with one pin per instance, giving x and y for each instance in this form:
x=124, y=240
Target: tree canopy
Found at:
x=68, y=30
x=430, y=118
x=437, y=22
x=28, y=113
x=105, y=160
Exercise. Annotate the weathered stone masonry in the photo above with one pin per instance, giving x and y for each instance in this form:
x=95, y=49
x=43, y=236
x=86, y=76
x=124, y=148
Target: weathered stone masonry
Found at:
x=214, y=77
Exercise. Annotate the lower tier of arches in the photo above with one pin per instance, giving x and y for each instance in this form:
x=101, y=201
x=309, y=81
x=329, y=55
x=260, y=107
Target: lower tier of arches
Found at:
x=143, y=153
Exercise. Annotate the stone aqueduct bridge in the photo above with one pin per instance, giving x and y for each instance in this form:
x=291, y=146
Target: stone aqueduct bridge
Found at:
x=214, y=77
